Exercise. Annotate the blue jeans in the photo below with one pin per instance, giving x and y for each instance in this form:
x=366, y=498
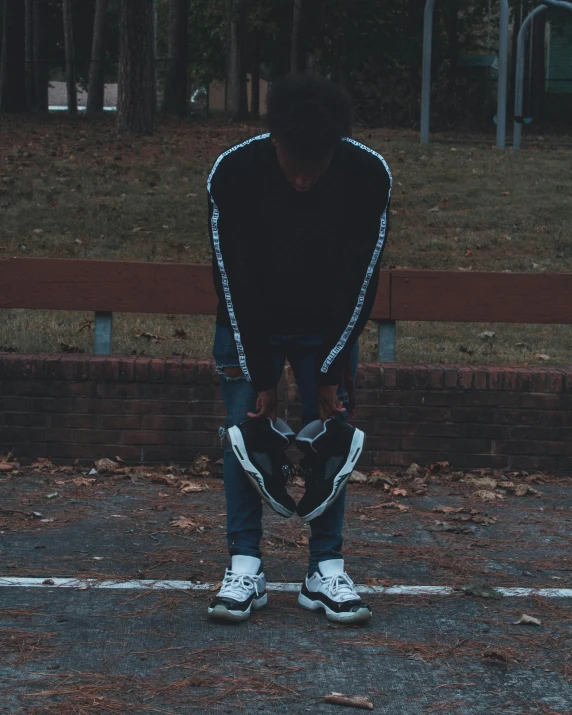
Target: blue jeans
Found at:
x=243, y=503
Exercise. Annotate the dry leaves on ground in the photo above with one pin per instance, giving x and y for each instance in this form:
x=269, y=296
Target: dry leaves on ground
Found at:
x=351, y=701
x=190, y=486
x=183, y=522
x=527, y=620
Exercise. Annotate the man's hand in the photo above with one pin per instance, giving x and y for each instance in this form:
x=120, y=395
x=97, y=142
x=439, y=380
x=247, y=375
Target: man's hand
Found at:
x=328, y=403
x=266, y=405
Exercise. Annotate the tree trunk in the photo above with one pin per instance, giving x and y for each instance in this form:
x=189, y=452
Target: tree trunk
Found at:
x=13, y=67
x=295, y=40
x=175, y=91
x=255, y=76
x=70, y=56
x=30, y=75
x=136, y=90
x=96, y=88
x=538, y=68
x=40, y=55
x=237, y=97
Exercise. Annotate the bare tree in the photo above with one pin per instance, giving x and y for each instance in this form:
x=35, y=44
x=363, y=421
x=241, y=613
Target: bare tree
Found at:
x=96, y=86
x=136, y=91
x=175, y=91
x=295, y=40
x=70, y=56
x=13, y=64
x=30, y=74
x=237, y=96
x=256, y=60
x=40, y=54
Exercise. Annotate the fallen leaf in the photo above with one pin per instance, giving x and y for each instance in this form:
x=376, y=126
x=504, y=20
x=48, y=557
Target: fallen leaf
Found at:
x=480, y=588
x=216, y=586
x=496, y=655
x=83, y=482
x=188, y=487
x=399, y=493
x=542, y=356
x=8, y=466
x=351, y=701
x=486, y=335
x=357, y=477
x=393, y=505
x=529, y=620
x=523, y=489
x=482, y=482
x=184, y=522
x=448, y=509
x=454, y=528
x=439, y=467
x=376, y=478
x=105, y=465
x=487, y=495
x=414, y=470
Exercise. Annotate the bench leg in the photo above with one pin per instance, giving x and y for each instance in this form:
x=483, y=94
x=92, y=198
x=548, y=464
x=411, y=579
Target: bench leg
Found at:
x=386, y=341
x=103, y=332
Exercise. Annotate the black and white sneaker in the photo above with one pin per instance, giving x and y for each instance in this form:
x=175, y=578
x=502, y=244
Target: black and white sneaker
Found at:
x=243, y=588
x=331, y=450
x=259, y=445
x=330, y=589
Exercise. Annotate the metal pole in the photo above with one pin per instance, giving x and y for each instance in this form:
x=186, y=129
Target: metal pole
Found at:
x=386, y=341
x=520, y=59
x=426, y=80
x=503, y=74
x=103, y=333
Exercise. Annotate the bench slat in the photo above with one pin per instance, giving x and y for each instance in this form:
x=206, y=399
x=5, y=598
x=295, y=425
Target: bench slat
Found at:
x=458, y=296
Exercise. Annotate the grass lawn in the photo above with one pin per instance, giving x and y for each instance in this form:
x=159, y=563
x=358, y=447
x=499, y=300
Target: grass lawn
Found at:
x=70, y=189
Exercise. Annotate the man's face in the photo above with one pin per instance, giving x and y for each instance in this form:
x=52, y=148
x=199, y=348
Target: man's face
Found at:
x=302, y=175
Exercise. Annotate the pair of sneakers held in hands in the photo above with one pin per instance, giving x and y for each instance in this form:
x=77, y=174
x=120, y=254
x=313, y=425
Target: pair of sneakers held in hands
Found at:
x=331, y=450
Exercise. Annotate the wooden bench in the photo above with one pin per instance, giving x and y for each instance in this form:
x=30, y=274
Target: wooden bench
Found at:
x=108, y=287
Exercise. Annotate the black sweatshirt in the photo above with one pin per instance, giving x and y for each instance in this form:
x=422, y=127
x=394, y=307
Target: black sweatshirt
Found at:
x=290, y=262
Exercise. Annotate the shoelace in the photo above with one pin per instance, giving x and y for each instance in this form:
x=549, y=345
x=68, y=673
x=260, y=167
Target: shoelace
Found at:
x=340, y=584
x=238, y=585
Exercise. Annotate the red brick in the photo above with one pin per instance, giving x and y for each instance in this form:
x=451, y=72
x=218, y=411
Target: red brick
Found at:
x=530, y=447
x=68, y=366
x=436, y=378
x=556, y=381
x=472, y=414
x=495, y=378
x=535, y=464
x=509, y=379
x=514, y=417
x=205, y=392
x=157, y=370
x=164, y=455
x=93, y=436
x=524, y=380
x=386, y=427
x=173, y=370
x=26, y=387
x=144, y=407
x=29, y=450
x=540, y=381
x=50, y=434
x=13, y=434
x=122, y=390
x=556, y=417
x=141, y=370
x=480, y=379
x=394, y=459
x=126, y=369
x=436, y=429
x=87, y=405
x=567, y=374
x=465, y=378
x=165, y=422
x=143, y=437
x=52, y=367
x=539, y=401
x=536, y=432
x=490, y=399
x=179, y=408
x=212, y=424
x=405, y=377
x=73, y=421
x=486, y=431
x=438, y=444
x=368, y=397
x=24, y=419
x=410, y=398
x=564, y=466
x=82, y=367
x=55, y=388
x=111, y=368
x=192, y=439
x=389, y=376
x=97, y=367
x=117, y=422
x=188, y=372
x=203, y=373
x=49, y=404
x=14, y=404
x=369, y=376
x=451, y=375
x=382, y=443
x=78, y=389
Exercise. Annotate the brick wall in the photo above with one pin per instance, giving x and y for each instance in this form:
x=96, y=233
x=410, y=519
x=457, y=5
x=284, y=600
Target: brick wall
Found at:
x=169, y=410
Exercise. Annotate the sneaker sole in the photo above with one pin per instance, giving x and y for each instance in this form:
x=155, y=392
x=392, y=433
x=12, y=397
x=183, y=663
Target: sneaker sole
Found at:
x=221, y=613
x=361, y=616
x=254, y=476
x=341, y=479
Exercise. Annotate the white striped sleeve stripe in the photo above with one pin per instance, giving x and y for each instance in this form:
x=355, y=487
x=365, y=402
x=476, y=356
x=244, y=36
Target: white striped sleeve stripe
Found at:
x=220, y=261
x=369, y=273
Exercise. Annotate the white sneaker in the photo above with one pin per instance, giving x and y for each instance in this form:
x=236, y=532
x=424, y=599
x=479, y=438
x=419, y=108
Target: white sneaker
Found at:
x=330, y=589
x=243, y=588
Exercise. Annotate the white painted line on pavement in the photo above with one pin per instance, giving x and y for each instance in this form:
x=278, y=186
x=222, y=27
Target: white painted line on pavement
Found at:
x=149, y=585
